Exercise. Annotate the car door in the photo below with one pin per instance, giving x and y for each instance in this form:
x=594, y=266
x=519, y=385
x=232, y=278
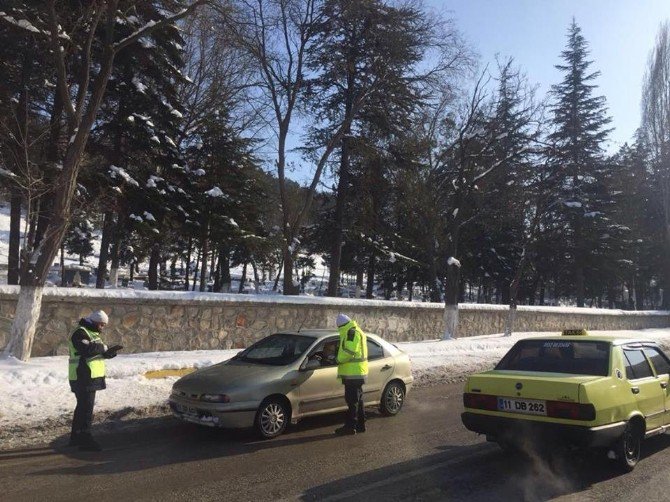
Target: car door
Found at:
x=644, y=385
x=321, y=390
x=661, y=365
x=380, y=369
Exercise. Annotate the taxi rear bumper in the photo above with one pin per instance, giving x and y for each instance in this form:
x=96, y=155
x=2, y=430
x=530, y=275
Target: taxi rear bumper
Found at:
x=516, y=430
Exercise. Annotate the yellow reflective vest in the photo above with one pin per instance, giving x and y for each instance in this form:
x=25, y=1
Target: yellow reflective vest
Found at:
x=352, y=353
x=96, y=363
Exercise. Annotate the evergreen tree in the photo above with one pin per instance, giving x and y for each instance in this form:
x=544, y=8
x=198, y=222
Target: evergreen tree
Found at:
x=366, y=54
x=580, y=128
x=79, y=239
x=135, y=136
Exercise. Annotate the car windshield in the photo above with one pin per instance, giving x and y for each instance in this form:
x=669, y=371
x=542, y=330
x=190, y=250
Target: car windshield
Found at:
x=558, y=356
x=276, y=350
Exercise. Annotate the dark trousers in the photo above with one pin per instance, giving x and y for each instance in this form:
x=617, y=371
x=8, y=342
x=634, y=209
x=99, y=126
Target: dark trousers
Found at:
x=353, y=395
x=83, y=413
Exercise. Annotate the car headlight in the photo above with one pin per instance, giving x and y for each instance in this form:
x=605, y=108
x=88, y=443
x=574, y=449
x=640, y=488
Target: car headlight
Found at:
x=215, y=398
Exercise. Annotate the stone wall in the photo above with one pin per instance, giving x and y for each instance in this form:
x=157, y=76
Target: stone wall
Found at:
x=145, y=321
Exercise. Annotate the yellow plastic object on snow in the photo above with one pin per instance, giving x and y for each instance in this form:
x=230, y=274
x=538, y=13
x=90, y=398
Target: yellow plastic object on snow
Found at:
x=168, y=373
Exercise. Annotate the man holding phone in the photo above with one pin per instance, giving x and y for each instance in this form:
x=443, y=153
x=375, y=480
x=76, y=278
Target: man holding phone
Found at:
x=87, y=375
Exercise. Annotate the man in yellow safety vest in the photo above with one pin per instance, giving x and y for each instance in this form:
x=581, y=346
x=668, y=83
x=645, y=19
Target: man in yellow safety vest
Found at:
x=86, y=373
x=352, y=368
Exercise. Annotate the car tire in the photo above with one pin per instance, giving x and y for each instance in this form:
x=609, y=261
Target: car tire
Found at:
x=392, y=400
x=272, y=418
x=627, y=447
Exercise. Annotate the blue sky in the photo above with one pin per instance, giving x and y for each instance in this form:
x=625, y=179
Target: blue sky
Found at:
x=620, y=33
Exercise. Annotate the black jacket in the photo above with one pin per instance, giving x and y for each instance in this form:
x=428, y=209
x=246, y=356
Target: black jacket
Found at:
x=86, y=347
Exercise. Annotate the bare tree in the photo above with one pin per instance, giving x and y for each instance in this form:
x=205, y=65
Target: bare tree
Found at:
x=467, y=151
x=278, y=34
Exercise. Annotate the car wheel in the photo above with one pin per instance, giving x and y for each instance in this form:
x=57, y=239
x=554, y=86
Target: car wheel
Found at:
x=272, y=418
x=628, y=446
x=393, y=398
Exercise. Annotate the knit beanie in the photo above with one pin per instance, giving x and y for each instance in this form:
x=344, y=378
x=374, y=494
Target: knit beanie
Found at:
x=342, y=319
x=98, y=316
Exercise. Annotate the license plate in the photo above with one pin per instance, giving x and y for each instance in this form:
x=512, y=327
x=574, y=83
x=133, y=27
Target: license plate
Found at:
x=189, y=410
x=527, y=406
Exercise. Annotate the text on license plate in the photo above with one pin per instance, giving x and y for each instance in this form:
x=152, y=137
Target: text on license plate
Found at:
x=528, y=406
x=186, y=409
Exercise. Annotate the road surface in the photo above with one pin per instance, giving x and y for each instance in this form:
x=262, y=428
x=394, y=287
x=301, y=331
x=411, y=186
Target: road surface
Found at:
x=422, y=454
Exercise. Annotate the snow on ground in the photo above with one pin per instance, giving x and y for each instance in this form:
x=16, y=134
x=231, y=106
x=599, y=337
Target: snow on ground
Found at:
x=38, y=391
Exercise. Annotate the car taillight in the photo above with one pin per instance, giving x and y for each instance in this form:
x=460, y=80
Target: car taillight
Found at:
x=572, y=411
x=480, y=401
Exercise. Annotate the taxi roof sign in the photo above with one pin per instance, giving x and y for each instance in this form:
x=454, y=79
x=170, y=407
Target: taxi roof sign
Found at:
x=574, y=332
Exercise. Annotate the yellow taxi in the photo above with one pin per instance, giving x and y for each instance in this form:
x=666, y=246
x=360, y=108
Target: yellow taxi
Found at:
x=578, y=389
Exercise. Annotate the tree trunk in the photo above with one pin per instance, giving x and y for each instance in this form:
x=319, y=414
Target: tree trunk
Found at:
x=253, y=266
x=514, y=292
x=370, y=286
x=62, y=265
x=274, y=288
x=205, y=254
x=450, y=322
x=115, y=253
x=639, y=293
x=107, y=230
x=511, y=318
x=13, y=262
x=433, y=281
x=243, y=278
x=154, y=258
x=195, y=272
x=224, y=263
x=451, y=294
x=289, y=287
x=24, y=325
x=216, y=287
x=338, y=224
x=360, y=275
x=666, y=262
x=188, y=263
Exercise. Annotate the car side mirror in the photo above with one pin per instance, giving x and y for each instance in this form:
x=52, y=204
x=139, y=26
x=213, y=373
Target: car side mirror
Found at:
x=311, y=364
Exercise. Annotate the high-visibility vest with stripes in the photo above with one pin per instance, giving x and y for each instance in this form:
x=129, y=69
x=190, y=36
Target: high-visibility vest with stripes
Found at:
x=352, y=353
x=96, y=363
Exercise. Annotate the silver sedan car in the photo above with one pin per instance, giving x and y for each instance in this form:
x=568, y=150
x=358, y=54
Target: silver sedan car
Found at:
x=285, y=377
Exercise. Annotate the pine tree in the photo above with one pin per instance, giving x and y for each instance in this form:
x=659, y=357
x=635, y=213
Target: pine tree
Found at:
x=366, y=54
x=580, y=128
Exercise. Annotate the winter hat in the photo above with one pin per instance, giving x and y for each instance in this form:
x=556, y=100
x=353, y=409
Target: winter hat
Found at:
x=342, y=319
x=98, y=316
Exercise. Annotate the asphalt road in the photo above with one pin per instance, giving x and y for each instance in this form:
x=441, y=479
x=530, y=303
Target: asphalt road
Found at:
x=422, y=454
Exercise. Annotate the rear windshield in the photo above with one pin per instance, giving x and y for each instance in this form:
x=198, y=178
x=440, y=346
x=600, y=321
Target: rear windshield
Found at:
x=558, y=356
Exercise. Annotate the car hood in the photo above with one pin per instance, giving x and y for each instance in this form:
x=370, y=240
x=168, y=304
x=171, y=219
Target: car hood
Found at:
x=227, y=375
